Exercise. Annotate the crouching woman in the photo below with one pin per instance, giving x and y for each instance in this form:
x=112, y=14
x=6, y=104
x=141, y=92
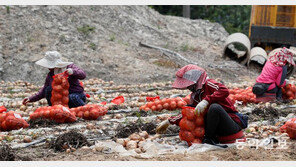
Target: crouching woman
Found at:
x=223, y=123
x=53, y=61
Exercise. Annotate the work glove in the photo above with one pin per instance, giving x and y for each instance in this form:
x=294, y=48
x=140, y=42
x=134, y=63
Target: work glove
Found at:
x=162, y=127
x=26, y=100
x=201, y=106
x=69, y=71
x=288, y=82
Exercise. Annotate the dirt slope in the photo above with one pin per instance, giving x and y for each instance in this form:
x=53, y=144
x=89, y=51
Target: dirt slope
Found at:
x=103, y=40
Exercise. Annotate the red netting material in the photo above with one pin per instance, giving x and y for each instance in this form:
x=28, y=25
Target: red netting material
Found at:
x=60, y=90
x=57, y=113
x=12, y=121
x=191, y=126
x=166, y=103
x=89, y=111
x=290, y=128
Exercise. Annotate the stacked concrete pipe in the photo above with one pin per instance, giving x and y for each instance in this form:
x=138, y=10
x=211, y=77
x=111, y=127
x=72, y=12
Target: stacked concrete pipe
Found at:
x=258, y=55
x=231, y=48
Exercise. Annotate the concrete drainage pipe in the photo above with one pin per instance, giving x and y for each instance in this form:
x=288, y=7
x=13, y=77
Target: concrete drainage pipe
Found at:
x=257, y=59
x=237, y=47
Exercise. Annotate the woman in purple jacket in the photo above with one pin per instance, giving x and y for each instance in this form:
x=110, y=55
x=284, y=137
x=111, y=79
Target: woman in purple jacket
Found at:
x=54, y=63
x=272, y=78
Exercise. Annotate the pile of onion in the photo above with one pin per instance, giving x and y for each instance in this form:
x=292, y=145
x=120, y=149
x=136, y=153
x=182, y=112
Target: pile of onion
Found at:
x=244, y=95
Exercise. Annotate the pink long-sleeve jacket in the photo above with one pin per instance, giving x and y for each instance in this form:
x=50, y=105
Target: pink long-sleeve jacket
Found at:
x=271, y=74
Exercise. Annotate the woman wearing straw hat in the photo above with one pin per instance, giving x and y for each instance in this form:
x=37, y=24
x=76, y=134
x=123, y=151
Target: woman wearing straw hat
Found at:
x=272, y=78
x=223, y=123
x=53, y=61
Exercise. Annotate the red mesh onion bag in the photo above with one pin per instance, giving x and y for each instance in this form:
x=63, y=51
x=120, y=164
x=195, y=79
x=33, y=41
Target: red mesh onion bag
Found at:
x=60, y=90
x=12, y=121
x=57, y=113
x=166, y=103
x=191, y=126
x=89, y=111
x=291, y=129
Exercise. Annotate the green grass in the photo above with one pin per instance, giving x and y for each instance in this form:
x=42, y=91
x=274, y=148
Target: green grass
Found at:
x=186, y=47
x=7, y=9
x=248, y=130
x=166, y=46
x=92, y=46
x=126, y=122
x=62, y=38
x=112, y=37
x=123, y=43
x=30, y=39
x=86, y=29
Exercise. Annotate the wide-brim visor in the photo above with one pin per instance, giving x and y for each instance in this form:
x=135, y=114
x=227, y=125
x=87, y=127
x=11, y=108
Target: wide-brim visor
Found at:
x=182, y=83
x=52, y=64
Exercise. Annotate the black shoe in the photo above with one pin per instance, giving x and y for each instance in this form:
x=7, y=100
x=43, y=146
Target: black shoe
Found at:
x=212, y=141
x=209, y=141
x=280, y=100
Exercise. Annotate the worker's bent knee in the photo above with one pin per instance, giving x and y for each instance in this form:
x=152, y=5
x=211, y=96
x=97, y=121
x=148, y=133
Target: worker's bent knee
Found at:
x=214, y=107
x=76, y=100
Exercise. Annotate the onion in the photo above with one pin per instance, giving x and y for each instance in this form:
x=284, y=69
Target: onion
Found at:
x=126, y=141
x=90, y=126
x=144, y=134
x=267, y=104
x=141, y=144
x=85, y=148
x=131, y=145
x=121, y=141
x=135, y=137
x=274, y=128
x=249, y=135
x=118, y=116
x=252, y=129
x=269, y=132
x=264, y=135
x=255, y=133
x=23, y=108
x=265, y=128
x=138, y=150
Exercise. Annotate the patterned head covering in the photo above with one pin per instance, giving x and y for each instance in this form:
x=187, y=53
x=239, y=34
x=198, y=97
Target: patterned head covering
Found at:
x=189, y=75
x=282, y=57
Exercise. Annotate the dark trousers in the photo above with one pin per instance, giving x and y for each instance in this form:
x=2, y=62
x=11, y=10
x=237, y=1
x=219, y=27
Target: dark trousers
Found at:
x=260, y=89
x=75, y=99
x=219, y=123
x=277, y=91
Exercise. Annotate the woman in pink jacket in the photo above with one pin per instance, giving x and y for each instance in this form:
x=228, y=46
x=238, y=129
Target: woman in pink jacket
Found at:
x=272, y=78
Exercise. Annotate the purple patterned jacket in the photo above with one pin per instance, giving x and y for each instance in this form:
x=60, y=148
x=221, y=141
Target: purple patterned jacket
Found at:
x=75, y=87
